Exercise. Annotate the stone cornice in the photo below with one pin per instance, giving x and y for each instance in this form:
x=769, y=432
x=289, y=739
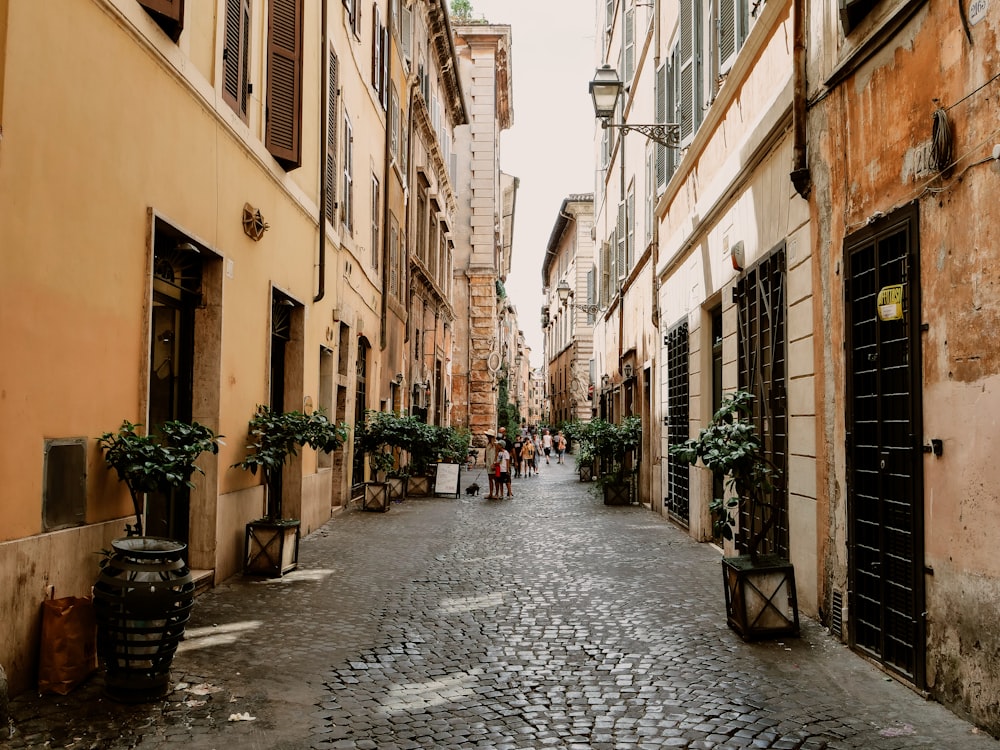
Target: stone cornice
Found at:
x=444, y=49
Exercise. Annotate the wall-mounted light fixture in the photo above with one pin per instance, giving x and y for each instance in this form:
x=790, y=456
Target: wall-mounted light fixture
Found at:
x=398, y=380
x=253, y=222
x=605, y=90
x=564, y=292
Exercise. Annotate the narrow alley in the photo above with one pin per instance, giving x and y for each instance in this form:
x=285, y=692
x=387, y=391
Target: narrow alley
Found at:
x=547, y=620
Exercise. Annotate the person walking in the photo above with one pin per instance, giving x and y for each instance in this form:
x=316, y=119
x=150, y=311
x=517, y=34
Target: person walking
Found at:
x=490, y=460
x=515, y=455
x=560, y=446
x=528, y=456
x=546, y=443
x=537, y=440
x=503, y=477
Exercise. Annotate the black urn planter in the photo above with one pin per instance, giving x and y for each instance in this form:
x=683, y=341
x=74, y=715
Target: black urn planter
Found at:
x=142, y=600
x=760, y=597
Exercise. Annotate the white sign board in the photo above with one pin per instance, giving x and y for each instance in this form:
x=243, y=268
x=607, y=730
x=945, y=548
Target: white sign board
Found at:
x=447, y=479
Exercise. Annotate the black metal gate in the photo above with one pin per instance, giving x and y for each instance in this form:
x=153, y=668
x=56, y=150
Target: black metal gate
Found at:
x=884, y=471
x=678, y=499
x=760, y=303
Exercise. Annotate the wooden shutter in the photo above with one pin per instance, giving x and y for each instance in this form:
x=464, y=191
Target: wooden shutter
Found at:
x=168, y=14
x=406, y=33
x=235, y=56
x=384, y=75
x=629, y=232
x=728, y=43
x=629, y=44
x=662, y=115
x=690, y=54
x=284, y=82
x=331, y=140
x=621, y=239
x=376, y=50
x=606, y=272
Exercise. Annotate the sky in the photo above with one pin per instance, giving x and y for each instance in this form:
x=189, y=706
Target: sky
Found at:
x=550, y=146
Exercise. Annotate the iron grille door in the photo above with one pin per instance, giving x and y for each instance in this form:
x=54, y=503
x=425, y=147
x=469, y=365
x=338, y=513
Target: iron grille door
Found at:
x=760, y=298
x=678, y=500
x=885, y=482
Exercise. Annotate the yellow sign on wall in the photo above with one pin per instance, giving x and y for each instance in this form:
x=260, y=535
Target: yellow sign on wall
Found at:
x=890, y=302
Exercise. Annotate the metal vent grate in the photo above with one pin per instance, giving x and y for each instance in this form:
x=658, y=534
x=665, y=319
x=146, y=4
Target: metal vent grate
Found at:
x=837, y=615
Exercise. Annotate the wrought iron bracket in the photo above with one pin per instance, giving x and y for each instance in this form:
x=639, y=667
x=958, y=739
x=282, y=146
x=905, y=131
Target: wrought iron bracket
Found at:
x=666, y=134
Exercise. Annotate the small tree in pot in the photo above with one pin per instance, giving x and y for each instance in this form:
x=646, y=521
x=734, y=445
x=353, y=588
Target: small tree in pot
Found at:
x=760, y=589
x=612, y=444
x=272, y=541
x=156, y=462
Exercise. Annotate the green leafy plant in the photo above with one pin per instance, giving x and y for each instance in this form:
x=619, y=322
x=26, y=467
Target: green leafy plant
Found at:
x=610, y=443
x=453, y=444
x=158, y=461
x=730, y=445
x=274, y=437
x=384, y=431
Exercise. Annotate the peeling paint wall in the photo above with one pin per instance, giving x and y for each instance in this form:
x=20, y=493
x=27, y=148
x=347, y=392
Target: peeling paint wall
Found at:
x=871, y=126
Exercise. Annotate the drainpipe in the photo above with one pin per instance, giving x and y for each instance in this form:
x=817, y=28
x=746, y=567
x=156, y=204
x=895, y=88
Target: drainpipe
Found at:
x=800, y=175
x=324, y=123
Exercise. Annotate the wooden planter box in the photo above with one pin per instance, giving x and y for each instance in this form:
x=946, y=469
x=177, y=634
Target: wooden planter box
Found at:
x=397, y=489
x=271, y=548
x=760, y=597
x=586, y=473
x=418, y=487
x=376, y=497
x=617, y=493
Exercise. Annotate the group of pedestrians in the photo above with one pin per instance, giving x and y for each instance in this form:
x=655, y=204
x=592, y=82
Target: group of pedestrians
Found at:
x=509, y=458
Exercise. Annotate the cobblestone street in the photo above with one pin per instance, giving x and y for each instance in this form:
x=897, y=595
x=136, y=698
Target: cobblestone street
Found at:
x=544, y=621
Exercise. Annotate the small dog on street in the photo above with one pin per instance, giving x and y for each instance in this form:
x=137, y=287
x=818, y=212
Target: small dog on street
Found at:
x=472, y=489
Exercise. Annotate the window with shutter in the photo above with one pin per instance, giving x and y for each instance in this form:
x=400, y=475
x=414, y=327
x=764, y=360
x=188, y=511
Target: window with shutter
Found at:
x=284, y=82
x=690, y=69
x=629, y=44
x=393, y=256
x=376, y=50
x=168, y=14
x=621, y=242
x=591, y=294
x=376, y=236
x=629, y=231
x=660, y=155
x=606, y=271
x=852, y=12
x=394, y=123
x=331, y=139
x=406, y=34
x=347, y=190
x=734, y=26
x=609, y=15
x=236, y=57
x=650, y=193
x=384, y=73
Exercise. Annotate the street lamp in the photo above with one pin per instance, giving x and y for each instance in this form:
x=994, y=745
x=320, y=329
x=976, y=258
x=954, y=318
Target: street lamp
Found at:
x=605, y=90
x=564, y=292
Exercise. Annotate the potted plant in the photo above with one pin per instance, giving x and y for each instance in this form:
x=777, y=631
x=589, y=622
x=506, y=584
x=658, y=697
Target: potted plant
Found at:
x=377, y=438
x=612, y=444
x=271, y=545
x=423, y=454
x=155, y=462
x=760, y=588
x=144, y=594
x=577, y=433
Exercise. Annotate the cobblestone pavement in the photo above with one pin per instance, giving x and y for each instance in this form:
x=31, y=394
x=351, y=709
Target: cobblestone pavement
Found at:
x=547, y=620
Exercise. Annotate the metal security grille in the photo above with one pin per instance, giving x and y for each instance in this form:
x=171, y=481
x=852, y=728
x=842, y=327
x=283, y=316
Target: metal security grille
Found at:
x=678, y=500
x=760, y=300
x=885, y=482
